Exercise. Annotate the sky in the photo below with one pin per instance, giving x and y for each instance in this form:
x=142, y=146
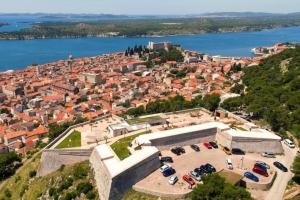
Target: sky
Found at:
x=156, y=7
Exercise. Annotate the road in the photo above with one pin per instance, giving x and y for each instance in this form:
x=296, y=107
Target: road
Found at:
x=277, y=190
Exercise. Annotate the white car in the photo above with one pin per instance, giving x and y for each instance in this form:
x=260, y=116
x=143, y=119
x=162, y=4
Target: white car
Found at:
x=268, y=155
x=289, y=143
x=229, y=163
x=173, y=179
x=164, y=168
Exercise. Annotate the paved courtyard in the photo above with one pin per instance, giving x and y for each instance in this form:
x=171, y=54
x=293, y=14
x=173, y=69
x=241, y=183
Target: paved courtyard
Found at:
x=157, y=183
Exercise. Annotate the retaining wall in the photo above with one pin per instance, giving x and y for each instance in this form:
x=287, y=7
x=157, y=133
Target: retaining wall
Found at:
x=52, y=160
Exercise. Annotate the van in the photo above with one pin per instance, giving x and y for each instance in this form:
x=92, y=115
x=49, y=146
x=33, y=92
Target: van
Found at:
x=289, y=143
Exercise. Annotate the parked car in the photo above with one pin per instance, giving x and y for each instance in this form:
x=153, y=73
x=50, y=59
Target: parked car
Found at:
x=164, y=167
x=280, y=166
x=251, y=176
x=214, y=145
x=210, y=168
x=173, y=179
x=237, y=151
x=178, y=150
x=260, y=171
x=289, y=143
x=181, y=149
x=263, y=164
x=188, y=179
x=207, y=145
x=227, y=151
x=168, y=172
x=195, y=175
x=200, y=170
x=195, y=147
x=166, y=159
x=268, y=155
x=229, y=163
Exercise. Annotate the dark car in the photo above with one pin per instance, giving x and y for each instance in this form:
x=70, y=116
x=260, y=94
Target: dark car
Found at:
x=175, y=151
x=280, y=166
x=178, y=150
x=214, y=145
x=200, y=170
x=195, y=147
x=210, y=168
x=181, y=149
x=166, y=159
x=251, y=176
x=168, y=172
x=237, y=151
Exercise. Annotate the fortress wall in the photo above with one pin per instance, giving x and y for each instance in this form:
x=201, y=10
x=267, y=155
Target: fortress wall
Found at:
x=185, y=139
x=124, y=181
x=101, y=176
x=257, y=145
x=52, y=160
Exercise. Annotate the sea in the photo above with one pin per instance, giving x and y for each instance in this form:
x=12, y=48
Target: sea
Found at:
x=18, y=54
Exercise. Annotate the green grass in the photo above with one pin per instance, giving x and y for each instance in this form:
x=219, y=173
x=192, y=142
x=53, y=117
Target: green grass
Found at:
x=73, y=140
x=120, y=146
x=143, y=120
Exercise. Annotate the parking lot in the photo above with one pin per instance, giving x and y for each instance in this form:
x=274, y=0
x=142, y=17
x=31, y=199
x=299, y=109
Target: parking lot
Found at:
x=157, y=183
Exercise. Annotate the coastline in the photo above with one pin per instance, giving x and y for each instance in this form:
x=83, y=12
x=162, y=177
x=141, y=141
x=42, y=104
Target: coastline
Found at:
x=140, y=36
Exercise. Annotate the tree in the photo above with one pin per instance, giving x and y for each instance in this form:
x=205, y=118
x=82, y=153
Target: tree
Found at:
x=238, y=89
x=211, y=102
x=232, y=104
x=214, y=187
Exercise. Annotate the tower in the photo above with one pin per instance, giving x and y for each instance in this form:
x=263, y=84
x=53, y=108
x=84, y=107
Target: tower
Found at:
x=70, y=62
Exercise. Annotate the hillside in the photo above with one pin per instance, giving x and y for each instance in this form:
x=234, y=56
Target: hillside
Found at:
x=273, y=92
x=65, y=184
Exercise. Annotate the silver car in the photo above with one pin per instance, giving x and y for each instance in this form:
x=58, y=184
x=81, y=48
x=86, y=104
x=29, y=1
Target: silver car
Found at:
x=268, y=155
x=195, y=175
x=173, y=179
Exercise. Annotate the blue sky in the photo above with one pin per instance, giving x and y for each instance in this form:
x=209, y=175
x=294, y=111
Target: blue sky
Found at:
x=148, y=6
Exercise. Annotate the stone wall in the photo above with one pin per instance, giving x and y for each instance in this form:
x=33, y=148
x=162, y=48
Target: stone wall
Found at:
x=52, y=160
x=257, y=145
x=114, y=188
x=185, y=139
x=124, y=181
x=101, y=176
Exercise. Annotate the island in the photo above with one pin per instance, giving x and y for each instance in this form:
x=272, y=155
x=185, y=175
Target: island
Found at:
x=152, y=27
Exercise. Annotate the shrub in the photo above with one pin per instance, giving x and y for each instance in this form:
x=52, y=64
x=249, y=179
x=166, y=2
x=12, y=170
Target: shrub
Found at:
x=80, y=172
x=91, y=195
x=32, y=173
x=7, y=193
x=70, y=195
x=84, y=187
x=66, y=184
x=52, y=191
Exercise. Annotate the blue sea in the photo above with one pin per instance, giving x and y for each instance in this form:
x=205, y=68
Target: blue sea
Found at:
x=17, y=54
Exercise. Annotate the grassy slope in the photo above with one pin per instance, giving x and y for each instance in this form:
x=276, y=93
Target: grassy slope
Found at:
x=38, y=186
x=73, y=140
x=120, y=147
x=133, y=195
